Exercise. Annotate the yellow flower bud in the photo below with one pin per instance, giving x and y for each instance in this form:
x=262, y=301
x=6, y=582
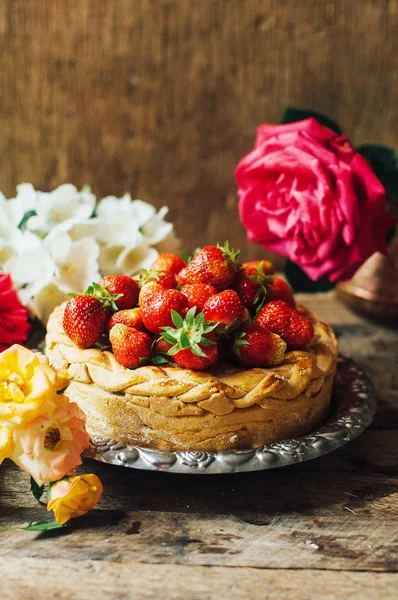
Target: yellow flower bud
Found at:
x=74, y=496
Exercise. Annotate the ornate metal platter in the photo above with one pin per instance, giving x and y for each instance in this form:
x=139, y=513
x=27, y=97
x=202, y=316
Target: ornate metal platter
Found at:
x=353, y=408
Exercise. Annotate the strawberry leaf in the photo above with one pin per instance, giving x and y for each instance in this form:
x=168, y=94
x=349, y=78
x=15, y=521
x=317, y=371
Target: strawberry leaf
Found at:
x=177, y=319
x=197, y=350
x=184, y=341
x=159, y=359
x=207, y=342
x=168, y=337
x=190, y=316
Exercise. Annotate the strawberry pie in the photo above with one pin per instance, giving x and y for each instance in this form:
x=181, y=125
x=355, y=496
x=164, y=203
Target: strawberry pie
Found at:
x=206, y=353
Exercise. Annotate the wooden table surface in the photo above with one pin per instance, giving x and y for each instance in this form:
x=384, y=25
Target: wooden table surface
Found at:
x=326, y=528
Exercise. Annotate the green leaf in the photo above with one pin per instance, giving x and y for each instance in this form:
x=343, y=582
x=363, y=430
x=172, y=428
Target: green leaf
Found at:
x=43, y=526
x=200, y=319
x=185, y=256
x=167, y=337
x=172, y=351
x=177, y=319
x=184, y=341
x=190, y=316
x=25, y=219
x=159, y=359
x=207, y=342
x=384, y=162
x=36, y=490
x=291, y=115
x=196, y=349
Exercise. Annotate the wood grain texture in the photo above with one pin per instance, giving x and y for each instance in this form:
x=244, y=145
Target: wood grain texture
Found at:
x=162, y=97
x=328, y=527
x=144, y=582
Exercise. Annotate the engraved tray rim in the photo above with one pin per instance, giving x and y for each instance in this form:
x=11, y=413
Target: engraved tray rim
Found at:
x=353, y=408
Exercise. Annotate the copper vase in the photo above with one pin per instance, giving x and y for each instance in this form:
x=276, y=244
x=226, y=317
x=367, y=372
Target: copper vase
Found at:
x=373, y=291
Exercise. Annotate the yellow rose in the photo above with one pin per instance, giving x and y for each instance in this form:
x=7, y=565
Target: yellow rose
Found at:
x=28, y=386
x=48, y=447
x=74, y=496
x=6, y=442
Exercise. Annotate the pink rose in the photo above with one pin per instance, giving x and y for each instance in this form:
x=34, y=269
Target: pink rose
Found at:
x=14, y=326
x=307, y=194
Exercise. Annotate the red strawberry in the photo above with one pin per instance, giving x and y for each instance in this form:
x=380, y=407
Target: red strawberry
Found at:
x=182, y=277
x=280, y=290
x=123, y=285
x=292, y=326
x=131, y=317
x=215, y=265
x=193, y=341
x=160, y=346
x=131, y=347
x=166, y=280
x=256, y=346
x=198, y=293
x=251, y=282
x=84, y=320
x=226, y=310
x=169, y=263
x=157, y=303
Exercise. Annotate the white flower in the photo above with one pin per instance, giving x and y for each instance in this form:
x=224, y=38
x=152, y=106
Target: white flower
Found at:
x=44, y=302
x=64, y=205
x=156, y=229
x=62, y=248
x=76, y=261
x=31, y=268
x=116, y=260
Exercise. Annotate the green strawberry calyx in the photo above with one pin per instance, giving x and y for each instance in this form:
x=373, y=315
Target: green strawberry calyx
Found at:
x=148, y=275
x=189, y=333
x=262, y=293
x=239, y=342
x=230, y=255
x=101, y=294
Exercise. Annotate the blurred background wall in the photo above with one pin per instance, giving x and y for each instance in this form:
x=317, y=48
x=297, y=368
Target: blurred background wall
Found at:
x=162, y=97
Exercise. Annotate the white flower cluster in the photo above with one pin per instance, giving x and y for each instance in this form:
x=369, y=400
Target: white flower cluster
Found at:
x=59, y=242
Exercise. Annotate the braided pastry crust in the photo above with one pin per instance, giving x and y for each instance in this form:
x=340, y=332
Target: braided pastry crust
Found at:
x=171, y=408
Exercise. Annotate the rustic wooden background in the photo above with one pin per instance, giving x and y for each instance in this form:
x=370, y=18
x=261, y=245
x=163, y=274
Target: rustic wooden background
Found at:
x=162, y=97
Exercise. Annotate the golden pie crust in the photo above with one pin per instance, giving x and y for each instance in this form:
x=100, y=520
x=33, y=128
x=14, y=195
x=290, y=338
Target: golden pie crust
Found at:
x=171, y=408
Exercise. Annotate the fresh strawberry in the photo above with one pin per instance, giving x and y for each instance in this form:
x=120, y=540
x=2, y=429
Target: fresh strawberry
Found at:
x=160, y=346
x=193, y=341
x=280, y=290
x=215, y=265
x=182, y=277
x=251, y=282
x=256, y=346
x=123, y=285
x=157, y=303
x=131, y=317
x=226, y=310
x=292, y=326
x=160, y=349
x=131, y=347
x=198, y=293
x=84, y=320
x=166, y=280
x=169, y=263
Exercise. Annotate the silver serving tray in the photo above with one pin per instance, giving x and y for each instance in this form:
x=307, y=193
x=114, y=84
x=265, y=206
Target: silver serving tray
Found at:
x=352, y=410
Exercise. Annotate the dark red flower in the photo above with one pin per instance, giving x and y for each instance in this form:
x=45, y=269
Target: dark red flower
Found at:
x=14, y=326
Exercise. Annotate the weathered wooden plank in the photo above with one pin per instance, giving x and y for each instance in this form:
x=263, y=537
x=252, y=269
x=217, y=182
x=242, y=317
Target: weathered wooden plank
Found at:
x=83, y=580
x=348, y=542
x=163, y=97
